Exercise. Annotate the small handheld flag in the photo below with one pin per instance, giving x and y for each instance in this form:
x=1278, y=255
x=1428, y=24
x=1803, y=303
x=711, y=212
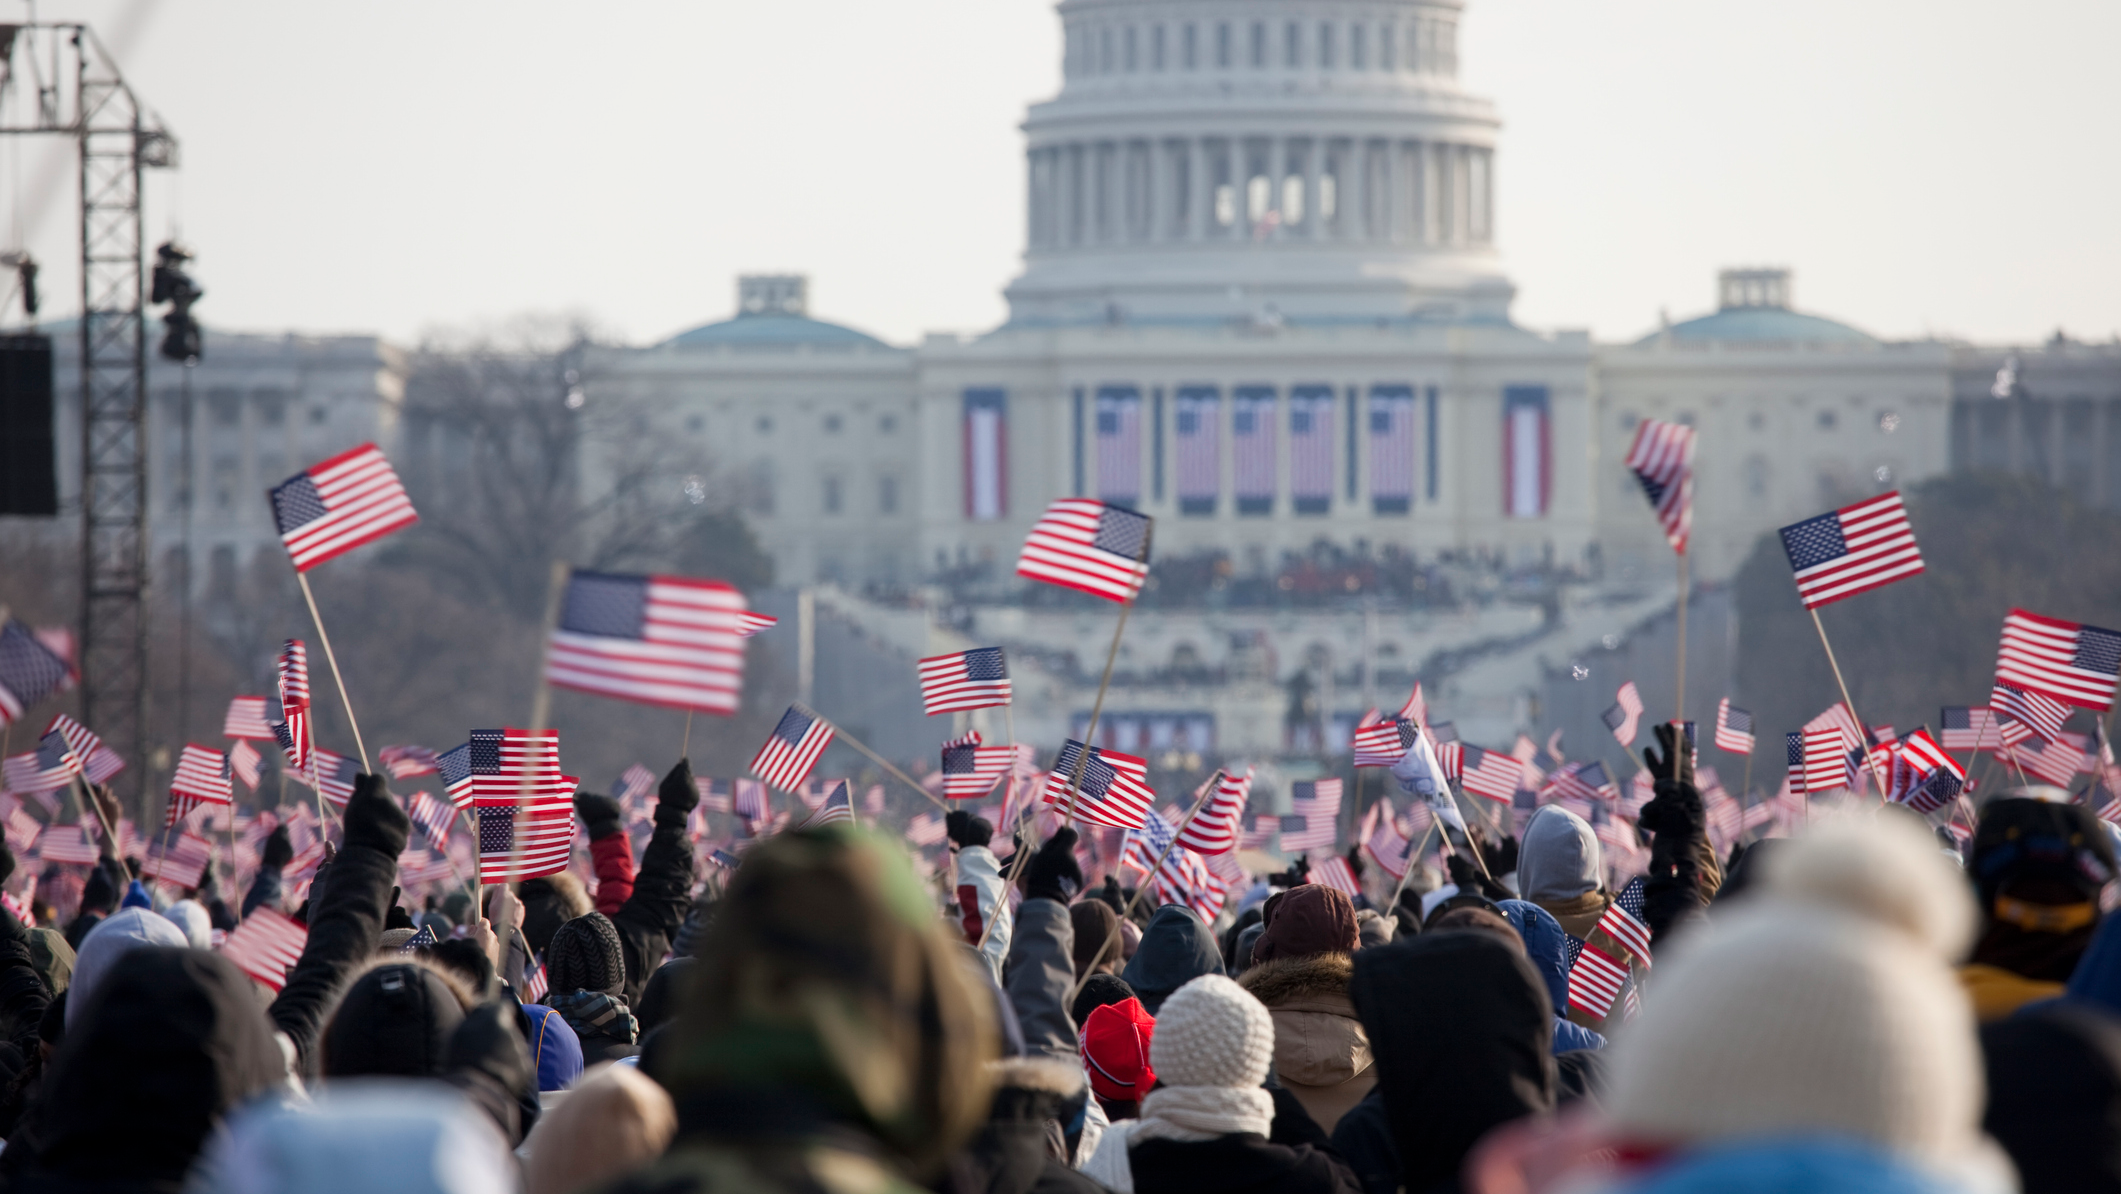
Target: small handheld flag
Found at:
x=1213, y=830
x=838, y=809
x=975, y=679
x=1851, y=550
x=1625, y=715
x=246, y=719
x=29, y=670
x=1089, y=546
x=672, y=641
x=1662, y=459
x=791, y=752
x=336, y=505
x=2069, y=661
x=1734, y=728
x=202, y=774
x=266, y=946
x=971, y=770
x=1114, y=790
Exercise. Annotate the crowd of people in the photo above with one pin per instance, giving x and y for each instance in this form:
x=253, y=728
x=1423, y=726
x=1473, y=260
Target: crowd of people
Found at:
x=1856, y=1008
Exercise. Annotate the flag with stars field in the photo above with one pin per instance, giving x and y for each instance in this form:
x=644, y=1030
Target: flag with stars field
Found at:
x=791, y=751
x=1851, y=550
x=336, y=505
x=1090, y=546
x=975, y=679
x=673, y=641
x=525, y=807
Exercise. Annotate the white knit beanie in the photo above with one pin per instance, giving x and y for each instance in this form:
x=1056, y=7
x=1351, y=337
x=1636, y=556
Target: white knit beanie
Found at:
x=1212, y=1032
x=1822, y=1004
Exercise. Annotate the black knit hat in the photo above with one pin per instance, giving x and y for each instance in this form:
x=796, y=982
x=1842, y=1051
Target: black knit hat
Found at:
x=585, y=956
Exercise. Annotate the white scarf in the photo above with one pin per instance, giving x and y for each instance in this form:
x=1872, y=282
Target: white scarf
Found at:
x=1195, y=1113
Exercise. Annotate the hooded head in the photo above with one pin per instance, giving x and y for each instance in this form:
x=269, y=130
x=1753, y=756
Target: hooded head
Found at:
x=1545, y=945
x=2038, y=867
x=555, y=1050
x=395, y=1019
x=372, y=1134
x=615, y=1122
x=1115, y=1041
x=2054, y=1086
x=585, y=955
x=169, y=1040
x=1176, y=949
x=1558, y=857
x=1461, y=1029
x=659, y=998
x=827, y=992
x=1097, y=943
x=119, y=934
x=1305, y=921
x=1854, y=1024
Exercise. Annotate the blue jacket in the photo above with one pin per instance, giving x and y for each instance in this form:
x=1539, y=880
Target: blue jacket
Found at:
x=1545, y=943
x=1812, y=1165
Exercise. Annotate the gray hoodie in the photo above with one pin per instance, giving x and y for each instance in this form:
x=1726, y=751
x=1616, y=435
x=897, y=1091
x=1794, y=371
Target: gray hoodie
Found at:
x=1559, y=858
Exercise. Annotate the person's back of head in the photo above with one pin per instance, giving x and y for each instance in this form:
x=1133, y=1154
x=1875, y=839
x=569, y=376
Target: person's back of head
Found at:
x=2054, y=1097
x=169, y=1040
x=585, y=955
x=1559, y=858
x=660, y=997
x=614, y=1122
x=119, y=934
x=1305, y=921
x=1115, y=1040
x=1097, y=942
x=395, y=1019
x=191, y=919
x=549, y=903
x=359, y=1136
x=1176, y=948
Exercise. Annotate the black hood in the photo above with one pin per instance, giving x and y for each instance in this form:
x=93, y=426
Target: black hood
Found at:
x=1176, y=948
x=395, y=1019
x=1460, y=1025
x=168, y=1043
x=2054, y=1097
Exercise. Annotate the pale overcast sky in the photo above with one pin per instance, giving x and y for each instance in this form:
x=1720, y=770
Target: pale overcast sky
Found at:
x=1938, y=167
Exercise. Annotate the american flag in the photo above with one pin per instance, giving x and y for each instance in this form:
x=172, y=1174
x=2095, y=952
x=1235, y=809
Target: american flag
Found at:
x=434, y=817
x=66, y=843
x=1923, y=776
x=752, y=801
x=2044, y=714
x=1826, y=759
x=453, y=767
x=1588, y=782
x=296, y=745
x=1119, y=444
x=750, y=622
x=1333, y=871
x=525, y=806
x=1314, y=820
x=1734, y=728
x=1595, y=979
x=1213, y=830
x=181, y=861
x=837, y=809
x=1114, y=789
x=407, y=762
x=1264, y=827
x=246, y=719
x=1253, y=448
x=1391, y=448
x=656, y=640
x=86, y=746
x=266, y=946
x=925, y=829
x=1416, y=709
x=2056, y=762
x=202, y=774
x=1624, y=923
x=1851, y=550
x=294, y=732
x=1383, y=743
x=1182, y=878
x=46, y=769
x=636, y=782
x=102, y=761
x=293, y=675
x=1311, y=449
x=1198, y=430
x=536, y=983
x=1491, y=773
x=1386, y=843
x=339, y=504
x=1967, y=727
x=244, y=760
x=1625, y=715
x=971, y=770
x=1089, y=546
x=975, y=679
x=716, y=796
x=791, y=751
x=29, y=671
x=335, y=776
x=1662, y=458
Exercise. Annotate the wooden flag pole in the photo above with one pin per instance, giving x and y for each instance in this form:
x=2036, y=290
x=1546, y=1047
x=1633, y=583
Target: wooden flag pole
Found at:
x=325, y=638
x=1097, y=707
x=1025, y=819
x=685, y=745
x=840, y=735
x=1679, y=702
x=1413, y=856
x=1863, y=732
x=86, y=795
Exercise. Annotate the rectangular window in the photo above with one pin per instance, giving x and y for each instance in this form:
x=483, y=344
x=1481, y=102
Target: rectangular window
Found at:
x=1527, y=455
x=1192, y=45
x=1352, y=419
x=1156, y=47
x=1292, y=42
x=1259, y=45
x=833, y=496
x=1387, y=42
x=1311, y=449
x=1325, y=45
x=1198, y=429
x=1431, y=483
x=1119, y=445
x=1252, y=448
x=986, y=456
x=1133, y=59
x=1156, y=446
x=1357, y=49
x=1391, y=449
x=1076, y=427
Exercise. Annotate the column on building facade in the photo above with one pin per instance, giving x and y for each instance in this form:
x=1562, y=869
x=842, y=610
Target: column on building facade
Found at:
x=1063, y=197
x=1159, y=189
x=1238, y=151
x=1395, y=192
x=1277, y=173
x=1115, y=157
x=1201, y=198
x=1314, y=171
x=1359, y=188
x=1035, y=199
x=1462, y=193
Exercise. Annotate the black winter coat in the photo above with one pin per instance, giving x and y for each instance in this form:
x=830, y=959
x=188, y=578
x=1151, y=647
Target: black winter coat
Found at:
x=662, y=893
x=1014, y=1152
x=1240, y=1163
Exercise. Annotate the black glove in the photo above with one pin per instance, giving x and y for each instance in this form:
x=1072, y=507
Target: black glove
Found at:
x=1466, y=874
x=1502, y=859
x=373, y=819
x=396, y=917
x=1053, y=874
x=1298, y=874
x=676, y=797
x=1355, y=863
x=278, y=851
x=1112, y=895
x=967, y=830
x=601, y=815
x=1676, y=765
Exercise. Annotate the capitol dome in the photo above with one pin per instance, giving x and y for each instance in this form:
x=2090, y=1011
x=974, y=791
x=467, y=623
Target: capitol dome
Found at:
x=773, y=311
x=1209, y=161
x=1754, y=308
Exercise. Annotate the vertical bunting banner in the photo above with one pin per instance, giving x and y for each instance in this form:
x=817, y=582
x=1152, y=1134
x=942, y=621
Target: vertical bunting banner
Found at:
x=1119, y=445
x=1197, y=432
x=986, y=456
x=1527, y=452
x=1391, y=449
x=1311, y=449
x=1252, y=448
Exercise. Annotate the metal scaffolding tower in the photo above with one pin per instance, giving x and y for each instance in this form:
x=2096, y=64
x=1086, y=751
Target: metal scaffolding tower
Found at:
x=81, y=93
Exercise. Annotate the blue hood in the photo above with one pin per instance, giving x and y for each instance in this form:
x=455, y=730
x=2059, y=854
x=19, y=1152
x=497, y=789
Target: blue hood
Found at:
x=1815, y=1165
x=1546, y=944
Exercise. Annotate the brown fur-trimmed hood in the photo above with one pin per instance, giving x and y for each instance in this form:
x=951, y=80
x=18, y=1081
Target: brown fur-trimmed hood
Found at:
x=1286, y=980
x=1037, y=1074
